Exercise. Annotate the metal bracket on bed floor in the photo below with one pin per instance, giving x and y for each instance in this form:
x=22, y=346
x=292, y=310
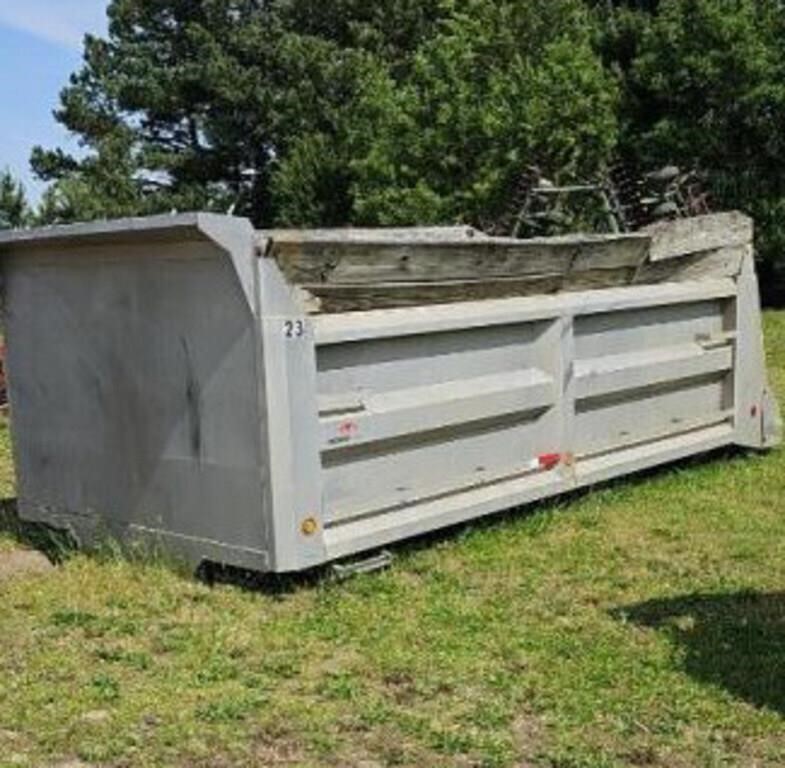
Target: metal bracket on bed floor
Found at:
x=376, y=562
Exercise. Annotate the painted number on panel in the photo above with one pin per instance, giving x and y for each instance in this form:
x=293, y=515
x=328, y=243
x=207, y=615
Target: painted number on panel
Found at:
x=294, y=329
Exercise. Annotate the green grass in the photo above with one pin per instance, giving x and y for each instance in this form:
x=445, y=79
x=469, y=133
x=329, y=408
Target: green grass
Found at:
x=641, y=625
x=6, y=480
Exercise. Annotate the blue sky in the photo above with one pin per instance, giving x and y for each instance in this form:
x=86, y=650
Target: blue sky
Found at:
x=40, y=45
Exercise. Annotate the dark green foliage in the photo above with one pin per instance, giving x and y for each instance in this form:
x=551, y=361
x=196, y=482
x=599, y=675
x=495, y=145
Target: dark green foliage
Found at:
x=14, y=210
x=297, y=112
x=500, y=87
x=704, y=85
x=218, y=104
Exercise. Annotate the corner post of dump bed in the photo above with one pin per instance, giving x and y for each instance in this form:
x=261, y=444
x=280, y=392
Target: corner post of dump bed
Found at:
x=567, y=400
x=289, y=400
x=728, y=238
x=237, y=237
x=758, y=421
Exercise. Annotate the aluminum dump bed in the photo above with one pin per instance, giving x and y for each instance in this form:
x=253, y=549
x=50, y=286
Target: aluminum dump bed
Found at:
x=278, y=400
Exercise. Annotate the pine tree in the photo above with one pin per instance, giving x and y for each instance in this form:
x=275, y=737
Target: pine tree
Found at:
x=14, y=209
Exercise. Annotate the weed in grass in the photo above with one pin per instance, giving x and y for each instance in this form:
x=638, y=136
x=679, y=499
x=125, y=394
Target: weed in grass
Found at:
x=218, y=669
x=74, y=619
x=106, y=688
x=134, y=659
x=229, y=710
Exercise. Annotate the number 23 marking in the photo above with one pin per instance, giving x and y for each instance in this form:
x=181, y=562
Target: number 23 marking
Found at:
x=294, y=329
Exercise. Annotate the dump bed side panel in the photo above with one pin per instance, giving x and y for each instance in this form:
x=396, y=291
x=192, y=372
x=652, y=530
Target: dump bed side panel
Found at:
x=133, y=390
x=432, y=423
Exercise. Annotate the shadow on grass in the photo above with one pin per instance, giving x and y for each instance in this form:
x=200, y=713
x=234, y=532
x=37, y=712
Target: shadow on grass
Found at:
x=275, y=585
x=56, y=545
x=538, y=517
x=735, y=641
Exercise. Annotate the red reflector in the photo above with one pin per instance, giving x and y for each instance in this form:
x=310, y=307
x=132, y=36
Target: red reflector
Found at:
x=549, y=460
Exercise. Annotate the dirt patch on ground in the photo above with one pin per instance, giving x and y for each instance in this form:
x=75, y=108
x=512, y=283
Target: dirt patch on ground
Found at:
x=529, y=734
x=72, y=764
x=23, y=562
x=273, y=749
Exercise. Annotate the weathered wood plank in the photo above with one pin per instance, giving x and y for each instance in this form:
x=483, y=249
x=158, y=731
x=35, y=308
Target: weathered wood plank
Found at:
x=611, y=254
x=594, y=279
x=353, y=298
x=373, y=235
x=369, y=263
x=672, y=239
x=358, y=270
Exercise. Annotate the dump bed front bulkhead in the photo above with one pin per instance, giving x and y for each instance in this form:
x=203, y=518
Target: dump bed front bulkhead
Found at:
x=277, y=400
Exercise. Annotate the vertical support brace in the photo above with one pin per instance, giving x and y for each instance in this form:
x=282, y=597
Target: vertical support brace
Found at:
x=567, y=404
x=289, y=355
x=758, y=423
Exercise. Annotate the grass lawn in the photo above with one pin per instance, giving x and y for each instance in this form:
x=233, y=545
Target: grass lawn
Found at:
x=641, y=625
